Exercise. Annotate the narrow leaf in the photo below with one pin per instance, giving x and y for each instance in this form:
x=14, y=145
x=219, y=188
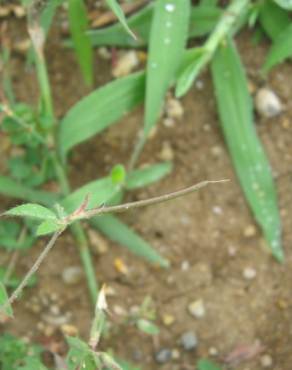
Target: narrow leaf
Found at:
x=78, y=25
x=33, y=211
x=273, y=19
x=99, y=192
x=202, y=21
x=280, y=50
x=100, y=109
x=115, y=7
x=147, y=175
x=285, y=4
x=3, y=301
x=204, y=364
x=13, y=189
x=168, y=36
x=47, y=227
x=249, y=159
x=117, y=231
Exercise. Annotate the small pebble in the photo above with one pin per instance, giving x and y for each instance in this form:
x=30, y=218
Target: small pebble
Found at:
x=70, y=330
x=197, y=309
x=199, y=84
x=232, y=251
x=249, y=273
x=217, y=210
x=166, y=153
x=189, y=341
x=98, y=242
x=213, y=351
x=185, y=265
x=168, y=122
x=175, y=354
x=268, y=103
x=216, y=151
x=104, y=53
x=174, y=109
x=168, y=319
x=163, y=355
x=249, y=231
x=72, y=275
x=266, y=361
x=125, y=64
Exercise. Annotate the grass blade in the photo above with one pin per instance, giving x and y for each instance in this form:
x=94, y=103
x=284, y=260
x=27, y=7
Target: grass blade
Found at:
x=147, y=175
x=115, y=7
x=230, y=19
x=205, y=364
x=13, y=189
x=78, y=25
x=249, y=159
x=280, y=50
x=117, y=231
x=202, y=21
x=95, y=112
x=273, y=19
x=168, y=36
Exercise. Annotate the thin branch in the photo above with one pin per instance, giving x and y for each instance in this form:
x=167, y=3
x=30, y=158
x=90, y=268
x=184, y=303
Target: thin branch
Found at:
x=33, y=269
x=142, y=203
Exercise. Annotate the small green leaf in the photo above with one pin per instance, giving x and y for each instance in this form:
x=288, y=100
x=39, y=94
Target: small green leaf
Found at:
x=99, y=191
x=285, y=4
x=247, y=153
x=117, y=231
x=47, y=227
x=168, y=36
x=118, y=174
x=280, y=50
x=147, y=175
x=33, y=211
x=78, y=25
x=147, y=327
x=99, y=110
x=207, y=365
x=7, y=311
x=115, y=7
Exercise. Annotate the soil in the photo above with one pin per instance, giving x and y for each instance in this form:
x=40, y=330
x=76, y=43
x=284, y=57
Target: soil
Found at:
x=203, y=235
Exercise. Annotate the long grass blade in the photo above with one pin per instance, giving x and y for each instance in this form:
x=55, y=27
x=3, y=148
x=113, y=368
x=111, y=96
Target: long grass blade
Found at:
x=168, y=36
x=117, y=231
x=78, y=25
x=115, y=7
x=13, y=189
x=202, y=21
x=280, y=50
x=99, y=110
x=248, y=156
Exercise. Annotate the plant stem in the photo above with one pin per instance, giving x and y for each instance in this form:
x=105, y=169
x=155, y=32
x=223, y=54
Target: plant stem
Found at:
x=78, y=233
x=137, y=151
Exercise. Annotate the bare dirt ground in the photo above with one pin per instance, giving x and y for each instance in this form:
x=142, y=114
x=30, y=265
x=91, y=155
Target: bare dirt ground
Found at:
x=203, y=235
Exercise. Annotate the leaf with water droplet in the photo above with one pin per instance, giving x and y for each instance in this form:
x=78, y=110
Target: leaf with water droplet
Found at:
x=248, y=156
x=168, y=36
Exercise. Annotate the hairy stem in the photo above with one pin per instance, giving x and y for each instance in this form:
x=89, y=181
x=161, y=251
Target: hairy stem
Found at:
x=78, y=233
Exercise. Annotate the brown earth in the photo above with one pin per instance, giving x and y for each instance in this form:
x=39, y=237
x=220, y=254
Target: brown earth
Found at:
x=204, y=230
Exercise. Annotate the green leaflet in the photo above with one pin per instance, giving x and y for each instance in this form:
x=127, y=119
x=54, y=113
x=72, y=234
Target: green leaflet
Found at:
x=117, y=231
x=168, y=36
x=249, y=159
x=147, y=175
x=13, y=189
x=48, y=227
x=202, y=21
x=99, y=110
x=280, y=50
x=115, y=7
x=33, y=211
x=78, y=25
x=273, y=19
x=205, y=364
x=99, y=192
